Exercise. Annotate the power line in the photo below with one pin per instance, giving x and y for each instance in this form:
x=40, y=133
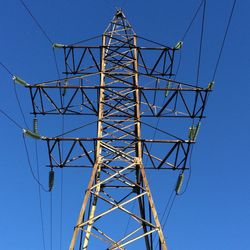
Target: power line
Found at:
x=51, y=221
x=36, y=21
x=57, y=70
x=201, y=41
x=111, y=6
x=129, y=219
x=17, y=98
x=4, y=66
x=61, y=209
x=11, y=119
x=173, y=195
x=165, y=210
x=61, y=205
x=191, y=153
x=26, y=149
x=170, y=204
x=40, y=197
x=30, y=166
x=203, y=2
x=43, y=32
x=75, y=129
x=192, y=20
x=85, y=40
x=190, y=172
x=56, y=63
x=169, y=211
x=20, y=106
x=224, y=39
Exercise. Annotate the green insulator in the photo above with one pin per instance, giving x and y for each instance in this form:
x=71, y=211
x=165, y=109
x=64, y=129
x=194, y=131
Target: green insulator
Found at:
x=193, y=132
x=179, y=183
x=51, y=179
x=35, y=125
x=167, y=87
x=178, y=45
x=31, y=134
x=64, y=90
x=58, y=46
x=211, y=85
x=20, y=81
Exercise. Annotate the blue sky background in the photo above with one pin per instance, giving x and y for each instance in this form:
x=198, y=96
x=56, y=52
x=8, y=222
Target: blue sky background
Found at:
x=215, y=211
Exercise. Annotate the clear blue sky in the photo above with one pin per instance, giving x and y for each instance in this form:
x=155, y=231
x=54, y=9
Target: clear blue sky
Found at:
x=215, y=211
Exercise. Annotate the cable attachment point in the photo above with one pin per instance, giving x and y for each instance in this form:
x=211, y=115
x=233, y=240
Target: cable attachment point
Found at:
x=210, y=85
x=58, y=46
x=32, y=134
x=178, y=45
x=179, y=183
x=20, y=81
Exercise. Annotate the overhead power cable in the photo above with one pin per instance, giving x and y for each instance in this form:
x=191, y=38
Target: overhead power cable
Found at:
x=201, y=42
x=56, y=63
x=203, y=2
x=7, y=70
x=85, y=40
x=20, y=106
x=51, y=221
x=30, y=166
x=43, y=32
x=11, y=119
x=78, y=128
x=61, y=191
x=36, y=21
x=192, y=20
x=40, y=196
x=190, y=172
x=57, y=70
x=224, y=39
x=17, y=98
x=167, y=211
x=173, y=195
x=61, y=211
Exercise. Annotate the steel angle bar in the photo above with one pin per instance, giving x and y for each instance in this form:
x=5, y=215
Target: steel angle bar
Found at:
x=117, y=173
x=130, y=183
x=134, y=239
x=107, y=237
x=115, y=206
x=118, y=152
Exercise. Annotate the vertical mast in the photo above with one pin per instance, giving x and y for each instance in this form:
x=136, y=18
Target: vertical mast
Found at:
x=118, y=163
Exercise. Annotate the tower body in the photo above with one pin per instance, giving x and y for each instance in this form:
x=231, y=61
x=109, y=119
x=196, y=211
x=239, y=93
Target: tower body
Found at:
x=118, y=195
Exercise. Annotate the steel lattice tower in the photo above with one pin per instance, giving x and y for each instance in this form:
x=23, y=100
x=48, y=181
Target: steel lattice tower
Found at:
x=118, y=189
x=119, y=120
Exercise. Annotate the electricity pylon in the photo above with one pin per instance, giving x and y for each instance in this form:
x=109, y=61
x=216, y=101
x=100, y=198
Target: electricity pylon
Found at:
x=132, y=85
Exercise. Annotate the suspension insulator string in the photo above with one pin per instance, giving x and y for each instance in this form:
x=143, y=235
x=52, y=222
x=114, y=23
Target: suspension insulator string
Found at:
x=35, y=125
x=179, y=183
x=51, y=179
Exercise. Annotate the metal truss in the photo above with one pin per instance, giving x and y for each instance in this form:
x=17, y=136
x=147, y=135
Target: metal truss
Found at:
x=46, y=98
x=175, y=157
x=123, y=85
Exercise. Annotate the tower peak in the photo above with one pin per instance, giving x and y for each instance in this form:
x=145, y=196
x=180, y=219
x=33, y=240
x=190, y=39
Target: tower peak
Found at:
x=119, y=24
